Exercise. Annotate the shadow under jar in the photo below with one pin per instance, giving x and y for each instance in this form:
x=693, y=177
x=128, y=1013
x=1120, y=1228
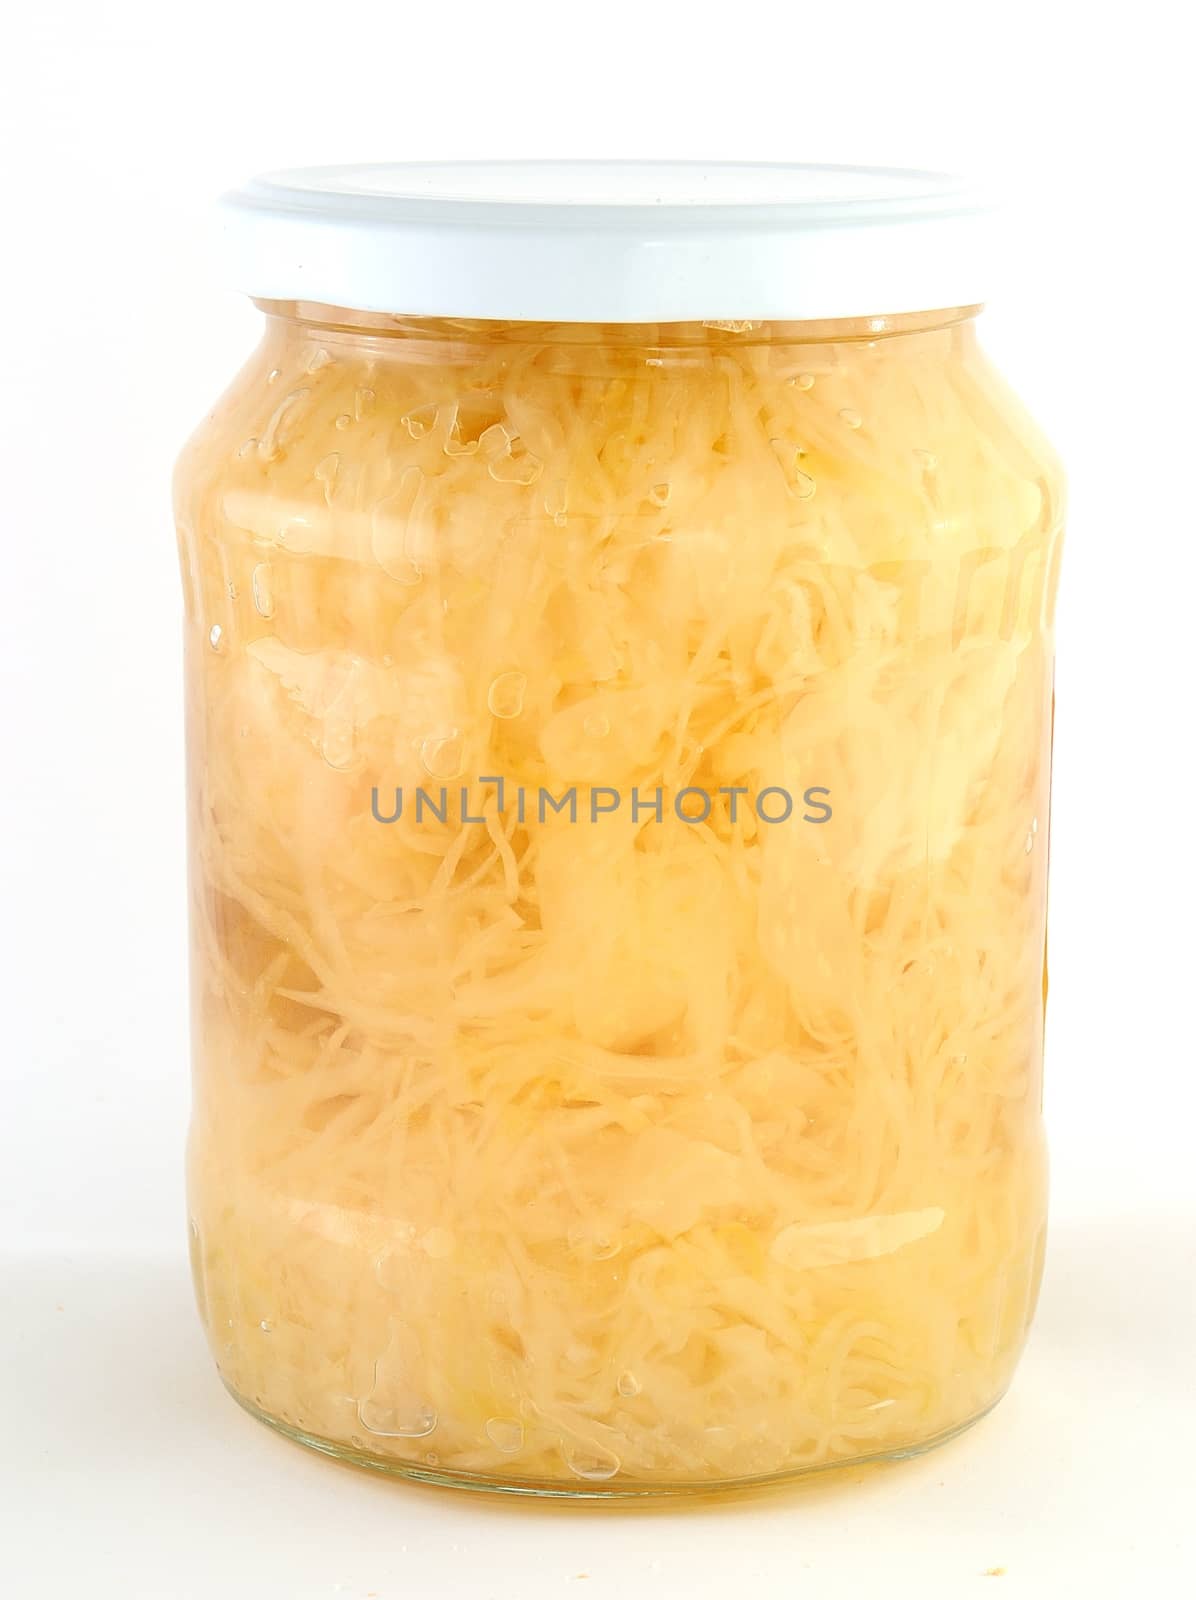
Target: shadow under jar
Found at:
x=619, y=761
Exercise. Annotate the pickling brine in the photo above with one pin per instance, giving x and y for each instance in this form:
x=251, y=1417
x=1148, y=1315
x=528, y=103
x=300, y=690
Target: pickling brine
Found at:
x=619, y=797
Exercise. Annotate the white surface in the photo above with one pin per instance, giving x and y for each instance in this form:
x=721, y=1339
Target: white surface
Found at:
x=583, y=241
x=129, y=1473
x=135, y=1467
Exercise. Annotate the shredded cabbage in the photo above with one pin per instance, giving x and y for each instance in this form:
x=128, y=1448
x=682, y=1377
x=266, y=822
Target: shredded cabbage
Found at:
x=628, y=1153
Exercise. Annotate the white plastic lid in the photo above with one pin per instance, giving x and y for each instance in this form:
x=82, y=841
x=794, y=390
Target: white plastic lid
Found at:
x=566, y=241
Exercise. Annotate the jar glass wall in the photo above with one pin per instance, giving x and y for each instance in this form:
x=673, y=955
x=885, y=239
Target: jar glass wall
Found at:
x=619, y=785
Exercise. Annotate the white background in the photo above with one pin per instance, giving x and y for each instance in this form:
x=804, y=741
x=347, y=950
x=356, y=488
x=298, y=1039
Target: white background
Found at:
x=130, y=1472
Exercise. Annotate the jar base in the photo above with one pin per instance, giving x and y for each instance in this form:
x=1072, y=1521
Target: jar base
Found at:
x=627, y=1489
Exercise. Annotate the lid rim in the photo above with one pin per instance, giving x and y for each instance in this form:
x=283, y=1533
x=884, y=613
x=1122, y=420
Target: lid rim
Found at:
x=808, y=253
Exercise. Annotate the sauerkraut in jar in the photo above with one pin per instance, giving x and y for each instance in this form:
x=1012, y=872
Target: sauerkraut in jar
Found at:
x=619, y=764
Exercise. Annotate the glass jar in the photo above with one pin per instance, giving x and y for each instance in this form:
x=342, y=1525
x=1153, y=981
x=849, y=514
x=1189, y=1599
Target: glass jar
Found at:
x=619, y=763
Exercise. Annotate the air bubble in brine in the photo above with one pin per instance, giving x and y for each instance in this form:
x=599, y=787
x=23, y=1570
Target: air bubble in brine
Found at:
x=420, y=422
x=591, y=1461
x=263, y=589
x=505, y=1434
x=406, y=1420
x=442, y=755
x=505, y=696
